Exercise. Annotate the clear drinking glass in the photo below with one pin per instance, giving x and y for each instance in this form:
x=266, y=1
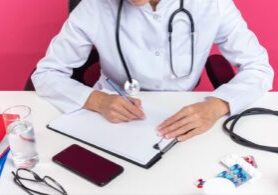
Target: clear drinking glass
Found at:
x=18, y=123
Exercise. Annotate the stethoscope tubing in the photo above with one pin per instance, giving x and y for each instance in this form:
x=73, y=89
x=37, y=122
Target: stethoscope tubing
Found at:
x=192, y=34
x=119, y=48
x=242, y=141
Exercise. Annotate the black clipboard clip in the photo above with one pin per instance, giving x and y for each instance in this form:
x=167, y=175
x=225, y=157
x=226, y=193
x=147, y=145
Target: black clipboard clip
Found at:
x=168, y=147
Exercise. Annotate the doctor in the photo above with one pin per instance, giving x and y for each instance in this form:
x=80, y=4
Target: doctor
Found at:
x=144, y=40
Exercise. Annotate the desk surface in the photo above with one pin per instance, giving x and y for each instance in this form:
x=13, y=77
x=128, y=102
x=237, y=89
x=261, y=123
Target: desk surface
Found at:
x=176, y=173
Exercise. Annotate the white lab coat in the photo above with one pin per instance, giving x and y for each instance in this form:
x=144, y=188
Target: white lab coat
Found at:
x=144, y=39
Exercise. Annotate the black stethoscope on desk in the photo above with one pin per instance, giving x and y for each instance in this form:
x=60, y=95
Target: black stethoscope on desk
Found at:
x=132, y=86
x=230, y=123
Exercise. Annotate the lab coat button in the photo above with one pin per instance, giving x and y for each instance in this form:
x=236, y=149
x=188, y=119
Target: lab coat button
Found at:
x=157, y=53
x=173, y=77
x=156, y=17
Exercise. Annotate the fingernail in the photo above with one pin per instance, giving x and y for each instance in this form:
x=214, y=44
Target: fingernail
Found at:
x=159, y=129
x=159, y=134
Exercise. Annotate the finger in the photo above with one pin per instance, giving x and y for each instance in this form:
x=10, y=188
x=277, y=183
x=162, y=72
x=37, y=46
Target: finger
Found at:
x=183, y=130
x=123, y=111
x=133, y=109
x=188, y=135
x=176, y=125
x=181, y=114
x=136, y=102
x=170, y=121
x=117, y=118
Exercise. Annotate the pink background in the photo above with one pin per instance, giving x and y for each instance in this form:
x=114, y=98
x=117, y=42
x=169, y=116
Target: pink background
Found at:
x=28, y=26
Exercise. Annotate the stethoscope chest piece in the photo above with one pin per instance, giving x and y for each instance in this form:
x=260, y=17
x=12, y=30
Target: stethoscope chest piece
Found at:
x=133, y=88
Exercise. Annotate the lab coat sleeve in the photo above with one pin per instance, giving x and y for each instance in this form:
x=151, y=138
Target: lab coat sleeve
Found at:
x=69, y=49
x=241, y=47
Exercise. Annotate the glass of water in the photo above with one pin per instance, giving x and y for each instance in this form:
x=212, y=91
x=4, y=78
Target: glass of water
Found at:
x=18, y=123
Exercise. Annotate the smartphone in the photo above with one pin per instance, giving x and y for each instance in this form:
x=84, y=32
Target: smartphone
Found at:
x=88, y=165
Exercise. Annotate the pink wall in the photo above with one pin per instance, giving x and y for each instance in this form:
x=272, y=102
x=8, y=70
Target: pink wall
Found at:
x=262, y=19
x=26, y=29
x=28, y=26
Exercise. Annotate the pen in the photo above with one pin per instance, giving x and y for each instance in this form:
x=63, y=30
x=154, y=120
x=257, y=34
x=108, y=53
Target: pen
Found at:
x=3, y=161
x=118, y=89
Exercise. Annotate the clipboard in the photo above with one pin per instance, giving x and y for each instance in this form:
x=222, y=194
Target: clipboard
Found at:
x=134, y=141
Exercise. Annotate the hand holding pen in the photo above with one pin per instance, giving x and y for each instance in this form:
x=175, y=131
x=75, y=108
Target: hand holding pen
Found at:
x=115, y=108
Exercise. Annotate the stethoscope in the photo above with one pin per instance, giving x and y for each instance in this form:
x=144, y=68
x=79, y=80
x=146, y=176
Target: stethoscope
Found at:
x=230, y=123
x=132, y=86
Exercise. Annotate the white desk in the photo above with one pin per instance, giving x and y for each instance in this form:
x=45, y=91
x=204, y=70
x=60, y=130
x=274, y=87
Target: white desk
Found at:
x=175, y=173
